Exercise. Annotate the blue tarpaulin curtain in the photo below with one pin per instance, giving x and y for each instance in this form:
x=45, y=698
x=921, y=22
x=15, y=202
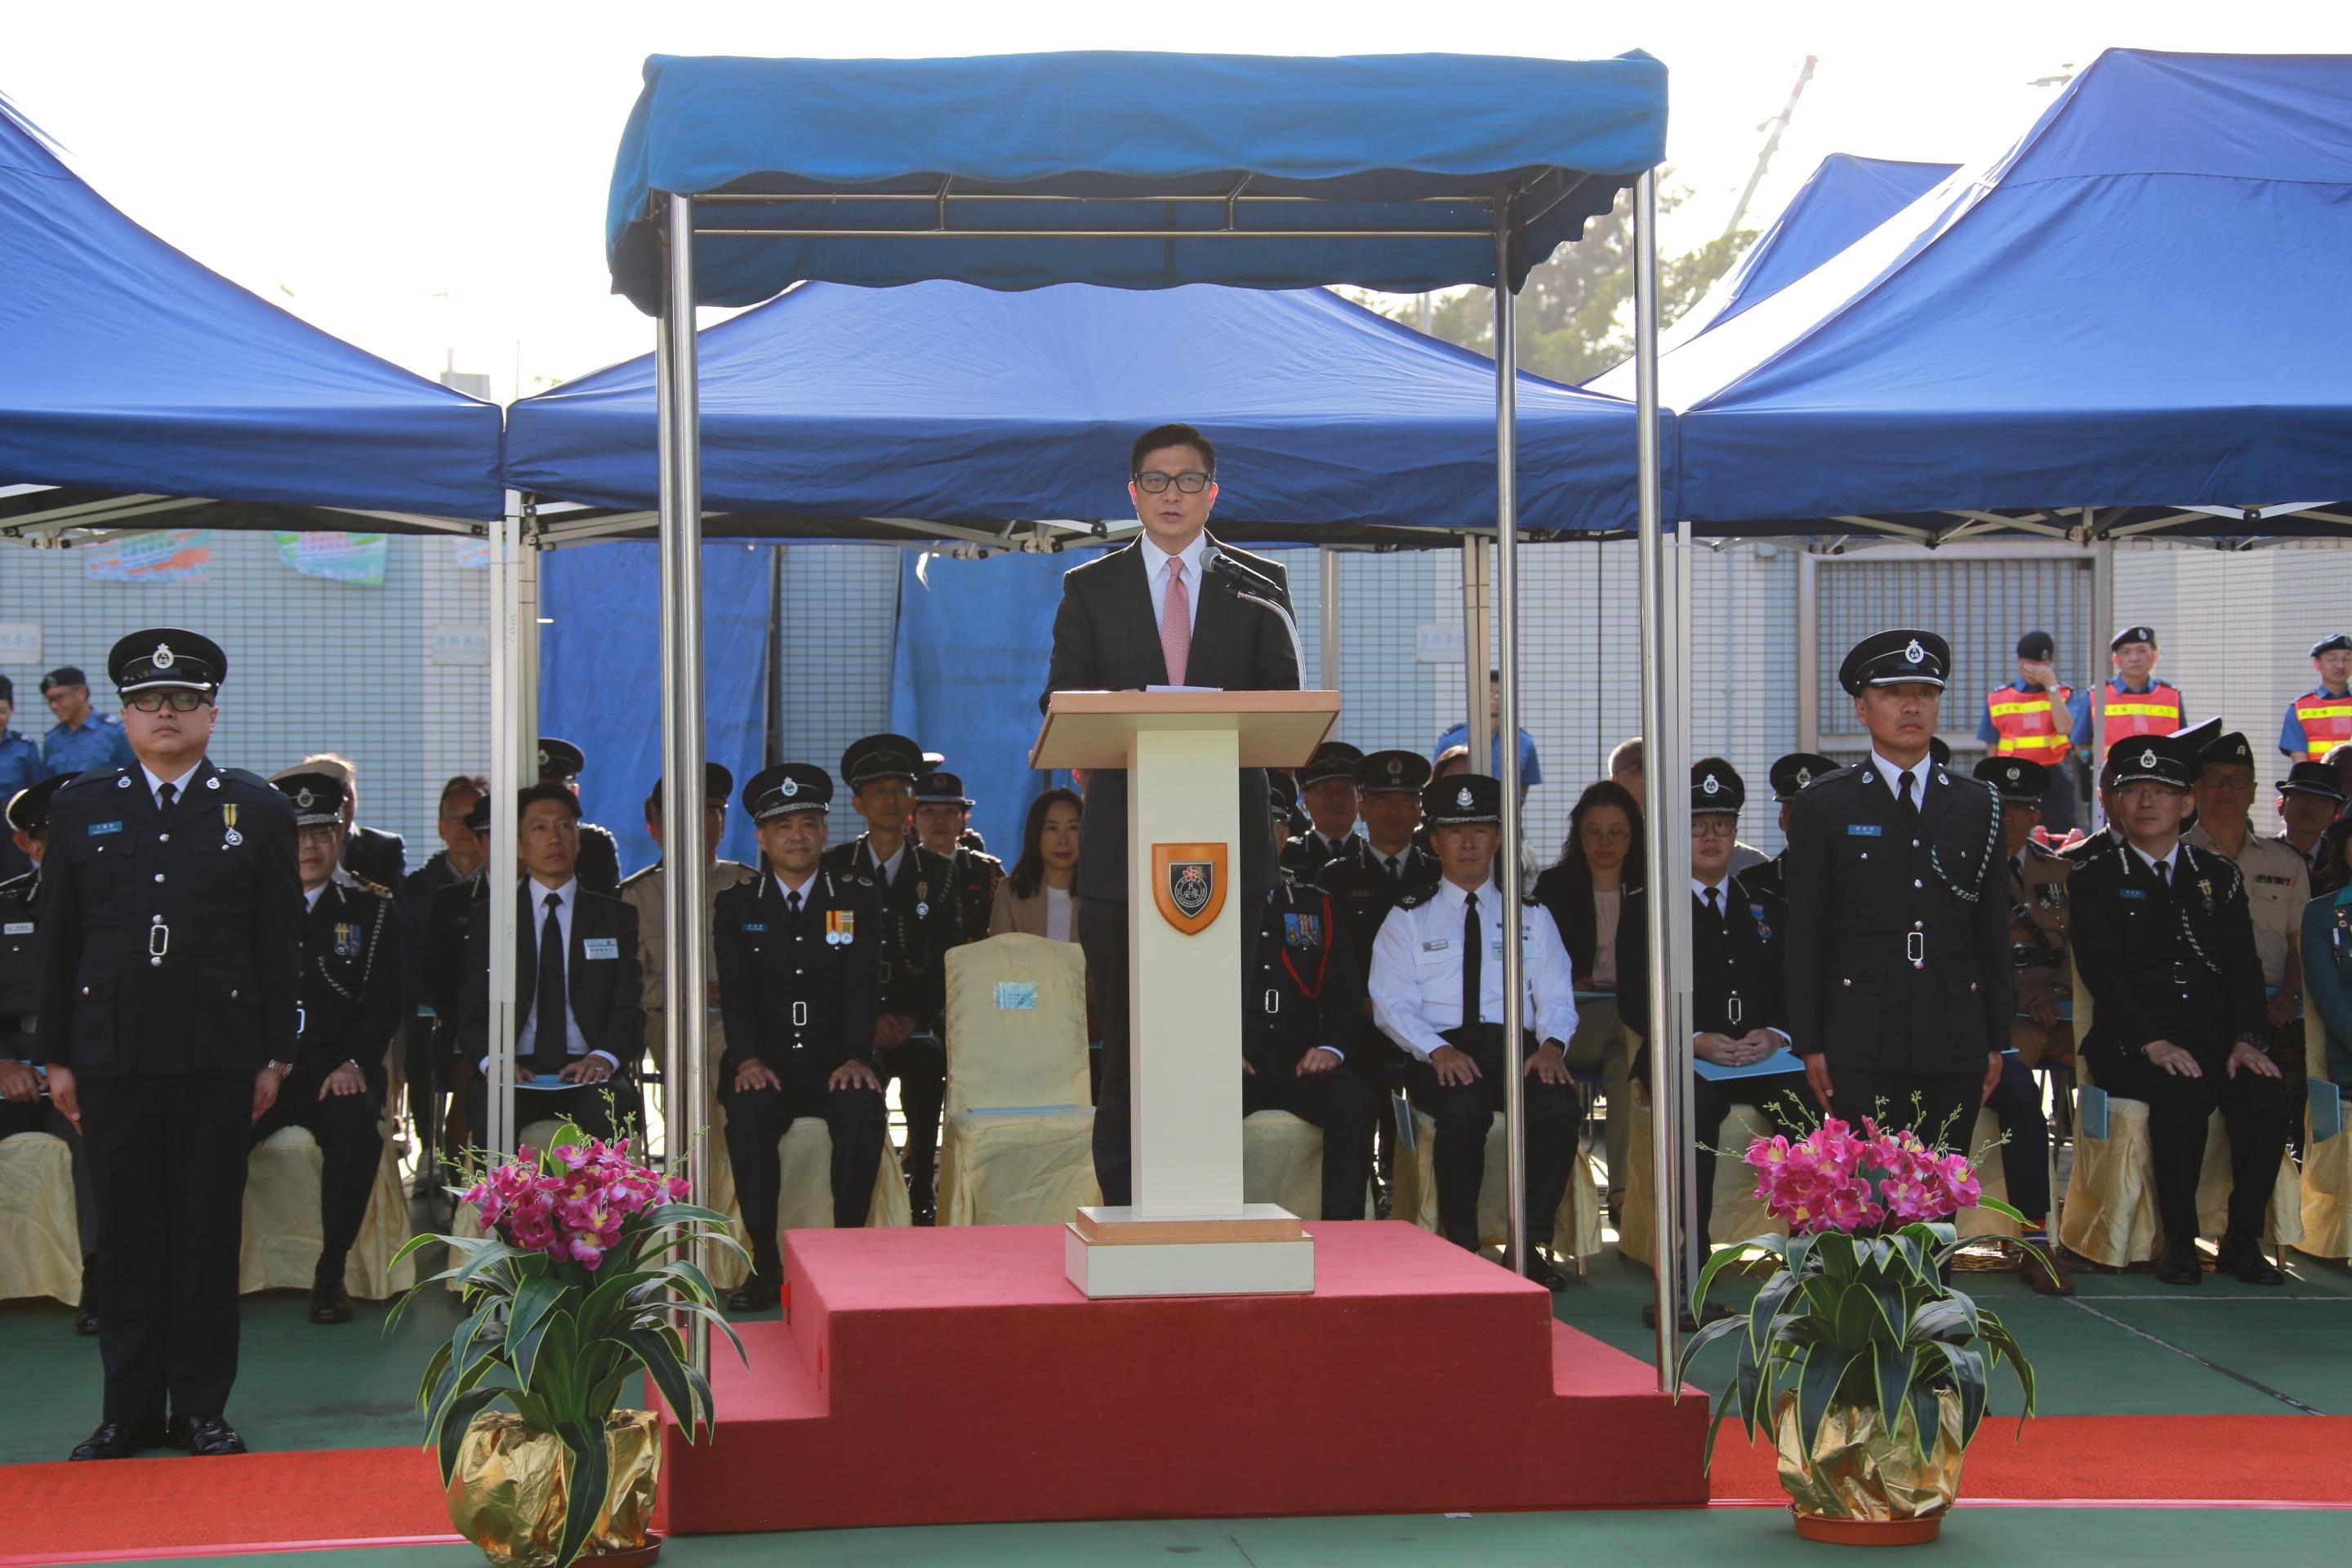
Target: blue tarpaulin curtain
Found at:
x=600, y=678
x=126, y=367
x=858, y=145
x=970, y=663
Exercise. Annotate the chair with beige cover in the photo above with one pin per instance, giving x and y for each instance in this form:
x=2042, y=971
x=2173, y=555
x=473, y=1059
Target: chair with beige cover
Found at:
x=1575, y=1228
x=40, y=1249
x=282, y=1233
x=2326, y=1166
x=2109, y=1213
x=1282, y=1163
x=1019, y=1148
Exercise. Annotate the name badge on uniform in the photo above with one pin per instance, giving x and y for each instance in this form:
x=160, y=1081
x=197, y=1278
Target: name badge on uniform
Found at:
x=1440, y=945
x=18, y=928
x=98, y=827
x=601, y=947
x=1864, y=830
x=2133, y=893
x=758, y=927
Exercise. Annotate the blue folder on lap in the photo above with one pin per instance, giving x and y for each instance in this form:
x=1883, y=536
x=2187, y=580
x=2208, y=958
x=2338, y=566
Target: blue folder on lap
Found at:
x=2327, y=1108
x=1779, y=1061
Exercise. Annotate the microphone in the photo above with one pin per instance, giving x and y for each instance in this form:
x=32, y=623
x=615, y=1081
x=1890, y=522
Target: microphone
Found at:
x=1248, y=582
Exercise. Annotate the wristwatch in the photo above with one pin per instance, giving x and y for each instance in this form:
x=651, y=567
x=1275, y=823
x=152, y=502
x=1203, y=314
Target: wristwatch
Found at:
x=281, y=1070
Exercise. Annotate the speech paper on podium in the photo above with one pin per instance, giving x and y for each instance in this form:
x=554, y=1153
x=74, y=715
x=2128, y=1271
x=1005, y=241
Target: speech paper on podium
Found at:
x=1183, y=688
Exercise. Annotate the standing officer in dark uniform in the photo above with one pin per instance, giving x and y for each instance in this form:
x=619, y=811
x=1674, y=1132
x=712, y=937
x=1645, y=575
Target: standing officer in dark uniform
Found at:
x=351, y=1005
x=1899, y=934
x=2165, y=945
x=1788, y=777
x=1327, y=784
x=171, y=939
x=1302, y=1017
x=24, y=1106
x=560, y=761
x=942, y=825
x=920, y=920
x=798, y=959
x=1739, y=995
x=449, y=921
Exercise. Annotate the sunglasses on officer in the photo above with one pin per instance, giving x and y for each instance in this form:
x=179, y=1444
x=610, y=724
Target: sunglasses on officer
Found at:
x=156, y=701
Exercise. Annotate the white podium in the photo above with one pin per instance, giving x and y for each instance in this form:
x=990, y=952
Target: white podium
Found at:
x=1188, y=1232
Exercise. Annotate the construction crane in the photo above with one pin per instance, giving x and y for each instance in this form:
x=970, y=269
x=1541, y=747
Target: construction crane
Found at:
x=1776, y=125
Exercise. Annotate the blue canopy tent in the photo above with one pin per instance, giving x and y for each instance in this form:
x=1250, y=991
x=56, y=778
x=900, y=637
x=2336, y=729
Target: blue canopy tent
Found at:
x=2131, y=321
x=135, y=383
x=841, y=412
x=736, y=178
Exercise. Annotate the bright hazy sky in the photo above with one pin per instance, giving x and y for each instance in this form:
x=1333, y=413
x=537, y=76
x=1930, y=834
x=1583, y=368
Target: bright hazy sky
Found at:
x=427, y=180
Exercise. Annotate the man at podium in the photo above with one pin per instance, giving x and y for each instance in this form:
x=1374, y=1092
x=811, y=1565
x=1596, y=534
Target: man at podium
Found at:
x=1174, y=609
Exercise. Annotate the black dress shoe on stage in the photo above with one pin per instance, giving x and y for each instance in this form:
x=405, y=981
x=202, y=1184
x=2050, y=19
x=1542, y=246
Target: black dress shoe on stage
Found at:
x=2179, y=1268
x=118, y=1440
x=86, y=1322
x=754, y=1295
x=208, y=1435
x=2250, y=1266
x=1545, y=1274
x=331, y=1303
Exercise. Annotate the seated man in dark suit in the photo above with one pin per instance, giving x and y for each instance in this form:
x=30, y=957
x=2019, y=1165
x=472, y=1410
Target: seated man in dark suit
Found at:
x=351, y=1005
x=798, y=950
x=576, y=966
x=1175, y=609
x=1737, y=1017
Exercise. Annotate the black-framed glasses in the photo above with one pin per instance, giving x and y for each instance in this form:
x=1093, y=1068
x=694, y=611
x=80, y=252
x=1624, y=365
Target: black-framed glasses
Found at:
x=1191, y=481
x=156, y=701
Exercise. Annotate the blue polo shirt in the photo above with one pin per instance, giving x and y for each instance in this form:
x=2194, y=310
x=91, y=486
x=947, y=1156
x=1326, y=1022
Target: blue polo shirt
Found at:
x=1530, y=774
x=99, y=742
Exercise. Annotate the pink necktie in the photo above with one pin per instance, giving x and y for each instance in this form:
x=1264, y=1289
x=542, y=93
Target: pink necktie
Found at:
x=1176, y=624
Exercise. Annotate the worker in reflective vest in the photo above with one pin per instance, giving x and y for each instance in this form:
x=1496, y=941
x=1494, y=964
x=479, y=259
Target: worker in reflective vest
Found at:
x=2319, y=721
x=2133, y=702
x=2033, y=715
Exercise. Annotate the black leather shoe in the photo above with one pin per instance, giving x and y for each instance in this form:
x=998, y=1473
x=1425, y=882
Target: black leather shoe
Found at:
x=1545, y=1274
x=2250, y=1266
x=206, y=1435
x=86, y=1322
x=754, y=1295
x=118, y=1440
x=331, y=1303
x=2179, y=1268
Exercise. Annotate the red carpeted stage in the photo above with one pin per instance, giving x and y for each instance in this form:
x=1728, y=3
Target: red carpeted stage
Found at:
x=1415, y=1378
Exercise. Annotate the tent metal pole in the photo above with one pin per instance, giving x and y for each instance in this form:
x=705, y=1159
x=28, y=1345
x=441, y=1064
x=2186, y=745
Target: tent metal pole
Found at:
x=1478, y=730
x=1329, y=677
x=2095, y=672
x=1655, y=783
x=506, y=683
x=686, y=1028
x=1506, y=582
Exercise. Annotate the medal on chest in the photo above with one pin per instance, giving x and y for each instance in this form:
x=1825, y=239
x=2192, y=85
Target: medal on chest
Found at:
x=230, y=836
x=840, y=927
x=347, y=940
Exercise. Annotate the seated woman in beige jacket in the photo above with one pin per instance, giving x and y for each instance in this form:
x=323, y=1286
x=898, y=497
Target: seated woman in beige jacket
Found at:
x=1037, y=898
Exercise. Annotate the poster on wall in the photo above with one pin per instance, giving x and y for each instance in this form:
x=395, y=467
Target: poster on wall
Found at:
x=175, y=555
x=356, y=558
x=470, y=555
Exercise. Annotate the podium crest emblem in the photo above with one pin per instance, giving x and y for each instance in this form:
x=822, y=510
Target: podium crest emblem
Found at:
x=1188, y=884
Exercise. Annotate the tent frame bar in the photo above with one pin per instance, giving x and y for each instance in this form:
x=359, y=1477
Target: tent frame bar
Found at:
x=1156, y=236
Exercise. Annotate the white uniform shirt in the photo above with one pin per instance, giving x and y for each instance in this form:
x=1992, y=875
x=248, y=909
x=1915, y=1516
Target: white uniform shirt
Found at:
x=1417, y=981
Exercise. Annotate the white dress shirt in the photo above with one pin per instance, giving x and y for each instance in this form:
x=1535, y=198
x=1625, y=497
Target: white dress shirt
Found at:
x=886, y=871
x=179, y=785
x=1893, y=776
x=1155, y=567
x=2169, y=860
x=1416, y=982
x=310, y=898
x=533, y=908
x=786, y=890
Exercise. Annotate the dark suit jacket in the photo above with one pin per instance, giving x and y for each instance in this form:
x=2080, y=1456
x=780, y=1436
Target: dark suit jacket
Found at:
x=2149, y=955
x=606, y=992
x=350, y=979
x=1566, y=891
x=1738, y=960
x=1867, y=893
x=221, y=1005
x=919, y=919
x=1105, y=638
x=374, y=856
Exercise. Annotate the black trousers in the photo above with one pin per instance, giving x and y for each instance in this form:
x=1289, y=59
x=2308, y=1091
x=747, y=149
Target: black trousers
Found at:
x=919, y=1067
x=427, y=1071
x=1102, y=936
x=583, y=1103
x=1784, y=1098
x=2025, y=1155
x=1465, y=1113
x=167, y=1162
x=351, y=1147
x=1346, y=1105
x=2253, y=1109
x=1935, y=1105
x=757, y=1119
x=42, y=1117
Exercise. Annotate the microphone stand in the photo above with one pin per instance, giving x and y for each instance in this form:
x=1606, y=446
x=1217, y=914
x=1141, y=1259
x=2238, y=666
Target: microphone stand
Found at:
x=1241, y=580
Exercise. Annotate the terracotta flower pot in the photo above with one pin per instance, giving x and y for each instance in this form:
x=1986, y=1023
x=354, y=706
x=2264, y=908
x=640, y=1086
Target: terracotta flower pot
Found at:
x=1860, y=1484
x=508, y=1495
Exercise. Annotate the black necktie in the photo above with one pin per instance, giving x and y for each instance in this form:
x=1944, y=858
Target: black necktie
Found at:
x=1910, y=806
x=1472, y=941
x=1714, y=906
x=164, y=794
x=1392, y=870
x=550, y=1048
x=2163, y=870
x=793, y=903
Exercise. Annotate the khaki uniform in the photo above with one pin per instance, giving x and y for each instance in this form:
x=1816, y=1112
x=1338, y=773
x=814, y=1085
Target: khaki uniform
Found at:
x=643, y=891
x=2278, y=884
x=2037, y=938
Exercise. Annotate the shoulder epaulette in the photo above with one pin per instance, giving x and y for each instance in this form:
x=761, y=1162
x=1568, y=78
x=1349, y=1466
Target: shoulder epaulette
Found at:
x=642, y=873
x=246, y=776
x=2037, y=850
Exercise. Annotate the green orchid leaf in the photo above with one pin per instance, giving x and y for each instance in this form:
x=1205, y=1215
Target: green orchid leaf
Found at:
x=591, y=1474
x=668, y=1371
x=451, y=1435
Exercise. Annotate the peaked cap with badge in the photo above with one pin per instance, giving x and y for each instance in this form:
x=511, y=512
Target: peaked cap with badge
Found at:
x=2019, y=781
x=2152, y=759
x=561, y=759
x=1332, y=760
x=166, y=658
x=1791, y=773
x=2312, y=778
x=1716, y=788
x=2225, y=750
x=786, y=788
x=881, y=757
x=1899, y=657
x=318, y=798
x=936, y=787
x=1462, y=800
x=1393, y=773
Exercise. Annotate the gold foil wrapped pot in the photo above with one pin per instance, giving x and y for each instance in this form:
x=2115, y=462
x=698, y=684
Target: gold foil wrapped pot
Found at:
x=1859, y=1476
x=508, y=1495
